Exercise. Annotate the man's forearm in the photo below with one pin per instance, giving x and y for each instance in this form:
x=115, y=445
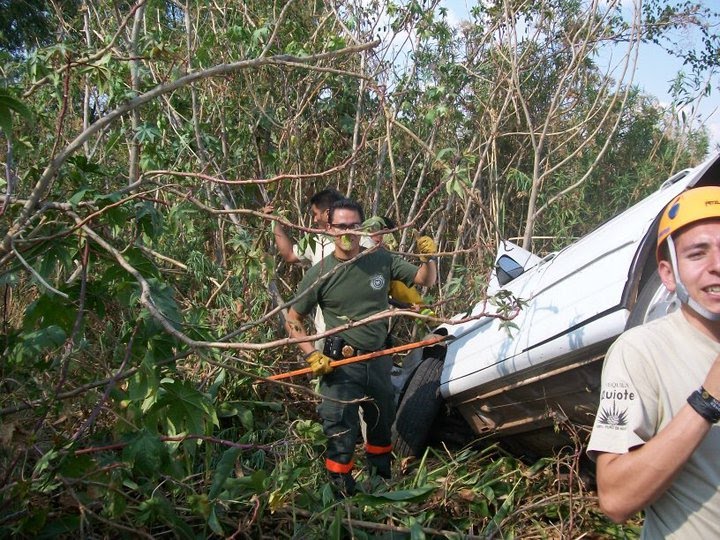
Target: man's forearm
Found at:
x=295, y=329
x=426, y=275
x=629, y=482
x=284, y=244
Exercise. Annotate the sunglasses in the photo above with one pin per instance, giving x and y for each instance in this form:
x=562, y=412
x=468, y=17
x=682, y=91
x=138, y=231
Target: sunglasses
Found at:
x=346, y=226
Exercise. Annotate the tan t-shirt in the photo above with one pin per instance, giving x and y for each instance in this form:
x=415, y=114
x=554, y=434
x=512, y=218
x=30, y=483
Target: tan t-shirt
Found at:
x=648, y=374
x=316, y=249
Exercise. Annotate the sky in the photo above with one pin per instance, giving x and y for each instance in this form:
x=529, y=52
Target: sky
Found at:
x=654, y=70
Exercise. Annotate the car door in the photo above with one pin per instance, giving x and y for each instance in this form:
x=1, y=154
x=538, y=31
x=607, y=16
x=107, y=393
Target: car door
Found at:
x=484, y=342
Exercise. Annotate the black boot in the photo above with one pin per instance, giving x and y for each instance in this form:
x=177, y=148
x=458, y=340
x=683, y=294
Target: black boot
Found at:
x=379, y=464
x=343, y=485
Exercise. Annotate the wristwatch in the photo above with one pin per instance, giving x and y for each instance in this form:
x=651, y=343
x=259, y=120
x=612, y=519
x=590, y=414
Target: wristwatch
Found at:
x=705, y=404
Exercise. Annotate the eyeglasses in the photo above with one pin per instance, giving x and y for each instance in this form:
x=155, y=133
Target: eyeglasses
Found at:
x=346, y=226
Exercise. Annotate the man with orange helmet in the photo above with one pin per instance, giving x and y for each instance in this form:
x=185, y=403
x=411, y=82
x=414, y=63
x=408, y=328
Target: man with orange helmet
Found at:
x=656, y=437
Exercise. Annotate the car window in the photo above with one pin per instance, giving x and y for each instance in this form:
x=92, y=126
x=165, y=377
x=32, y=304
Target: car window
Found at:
x=507, y=269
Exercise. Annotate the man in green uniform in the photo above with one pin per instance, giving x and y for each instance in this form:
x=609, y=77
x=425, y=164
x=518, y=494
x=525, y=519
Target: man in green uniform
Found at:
x=350, y=289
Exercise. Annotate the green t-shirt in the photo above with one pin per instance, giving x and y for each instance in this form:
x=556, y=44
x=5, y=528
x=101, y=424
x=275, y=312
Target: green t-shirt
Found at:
x=354, y=292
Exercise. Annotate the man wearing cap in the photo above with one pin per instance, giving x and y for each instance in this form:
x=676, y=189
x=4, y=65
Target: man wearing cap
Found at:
x=350, y=286
x=656, y=438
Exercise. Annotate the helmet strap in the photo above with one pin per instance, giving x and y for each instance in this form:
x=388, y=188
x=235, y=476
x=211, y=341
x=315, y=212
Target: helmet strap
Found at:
x=682, y=292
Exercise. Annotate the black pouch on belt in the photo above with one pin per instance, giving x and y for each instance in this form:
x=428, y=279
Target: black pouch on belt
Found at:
x=337, y=348
x=333, y=347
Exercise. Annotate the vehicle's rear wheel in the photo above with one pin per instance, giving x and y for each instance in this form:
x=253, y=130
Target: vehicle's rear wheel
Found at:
x=654, y=301
x=418, y=407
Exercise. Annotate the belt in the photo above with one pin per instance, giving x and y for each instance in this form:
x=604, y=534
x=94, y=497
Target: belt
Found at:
x=337, y=349
x=348, y=351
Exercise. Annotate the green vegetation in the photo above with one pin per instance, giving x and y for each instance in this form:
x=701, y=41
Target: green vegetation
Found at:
x=140, y=142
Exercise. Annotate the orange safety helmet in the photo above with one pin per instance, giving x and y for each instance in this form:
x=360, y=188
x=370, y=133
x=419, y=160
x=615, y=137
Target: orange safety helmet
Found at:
x=690, y=206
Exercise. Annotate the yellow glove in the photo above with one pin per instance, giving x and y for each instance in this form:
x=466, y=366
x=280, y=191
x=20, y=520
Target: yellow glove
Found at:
x=426, y=246
x=402, y=293
x=319, y=363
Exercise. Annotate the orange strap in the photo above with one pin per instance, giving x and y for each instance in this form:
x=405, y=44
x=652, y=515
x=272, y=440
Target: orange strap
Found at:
x=367, y=356
x=372, y=449
x=334, y=466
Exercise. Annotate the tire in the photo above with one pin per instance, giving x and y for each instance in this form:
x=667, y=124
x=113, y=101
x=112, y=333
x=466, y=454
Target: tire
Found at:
x=418, y=408
x=450, y=429
x=653, y=302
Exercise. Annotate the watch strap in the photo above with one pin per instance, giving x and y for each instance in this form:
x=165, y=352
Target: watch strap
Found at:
x=705, y=404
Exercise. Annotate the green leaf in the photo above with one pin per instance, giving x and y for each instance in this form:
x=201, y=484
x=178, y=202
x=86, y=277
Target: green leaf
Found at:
x=255, y=484
x=225, y=467
x=145, y=453
x=149, y=220
x=336, y=528
x=83, y=164
x=147, y=133
x=416, y=530
x=9, y=105
x=115, y=503
x=184, y=408
x=34, y=345
x=407, y=495
x=260, y=35
x=217, y=384
x=6, y=122
x=442, y=153
x=43, y=464
x=214, y=524
x=50, y=311
x=61, y=527
x=78, y=196
x=145, y=382
x=247, y=418
x=55, y=256
x=74, y=466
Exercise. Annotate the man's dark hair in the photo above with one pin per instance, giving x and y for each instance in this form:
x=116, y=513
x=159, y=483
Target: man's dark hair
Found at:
x=345, y=204
x=388, y=223
x=325, y=198
x=664, y=252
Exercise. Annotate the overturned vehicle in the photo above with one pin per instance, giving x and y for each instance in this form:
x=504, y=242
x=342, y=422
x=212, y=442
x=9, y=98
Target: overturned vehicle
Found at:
x=535, y=386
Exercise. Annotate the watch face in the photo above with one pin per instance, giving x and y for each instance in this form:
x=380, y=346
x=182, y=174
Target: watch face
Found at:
x=347, y=351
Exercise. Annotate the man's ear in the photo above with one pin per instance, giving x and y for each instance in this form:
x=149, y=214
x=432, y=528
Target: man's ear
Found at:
x=666, y=274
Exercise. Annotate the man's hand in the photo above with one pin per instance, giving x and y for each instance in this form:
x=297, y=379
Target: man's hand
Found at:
x=426, y=246
x=319, y=363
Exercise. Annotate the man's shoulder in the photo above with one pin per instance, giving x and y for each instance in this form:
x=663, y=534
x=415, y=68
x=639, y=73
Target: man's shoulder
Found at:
x=665, y=326
x=323, y=266
x=313, y=247
x=653, y=341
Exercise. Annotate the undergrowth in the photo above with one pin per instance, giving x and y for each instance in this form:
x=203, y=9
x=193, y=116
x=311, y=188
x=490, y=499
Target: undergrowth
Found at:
x=259, y=475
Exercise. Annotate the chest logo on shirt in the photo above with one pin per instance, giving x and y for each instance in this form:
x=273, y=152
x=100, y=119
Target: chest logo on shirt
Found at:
x=377, y=282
